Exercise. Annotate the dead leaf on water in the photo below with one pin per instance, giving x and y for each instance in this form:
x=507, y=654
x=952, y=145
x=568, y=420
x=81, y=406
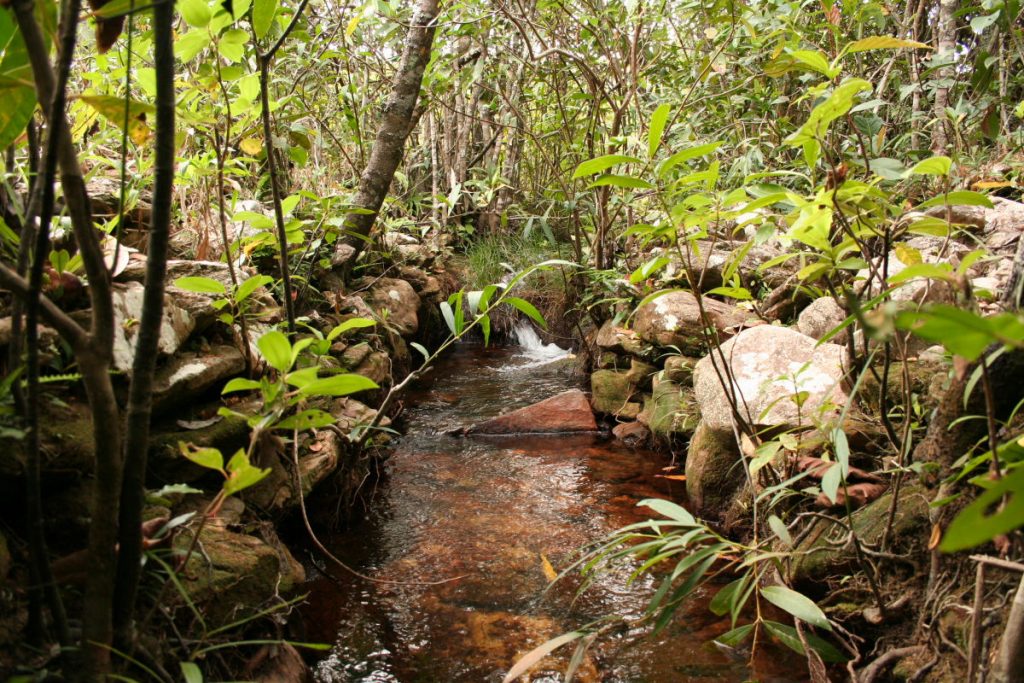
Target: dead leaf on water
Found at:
x=549, y=571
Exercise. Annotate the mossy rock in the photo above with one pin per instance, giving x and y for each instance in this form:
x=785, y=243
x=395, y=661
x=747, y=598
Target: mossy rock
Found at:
x=166, y=464
x=231, y=575
x=679, y=369
x=611, y=391
x=670, y=411
x=816, y=559
x=714, y=471
x=641, y=373
x=926, y=380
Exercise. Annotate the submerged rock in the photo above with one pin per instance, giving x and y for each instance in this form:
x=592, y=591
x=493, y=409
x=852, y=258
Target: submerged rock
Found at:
x=565, y=413
x=633, y=434
x=781, y=378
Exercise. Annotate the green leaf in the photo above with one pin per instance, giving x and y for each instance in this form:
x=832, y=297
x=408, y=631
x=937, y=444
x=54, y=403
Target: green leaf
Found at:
x=646, y=270
x=191, y=672
x=937, y=165
x=958, y=198
x=195, y=12
x=937, y=271
x=738, y=293
x=422, y=350
x=831, y=480
x=816, y=61
x=883, y=43
x=247, y=287
x=350, y=324
x=231, y=45
x=797, y=604
x=527, y=308
x=263, y=12
x=602, y=164
x=276, y=350
x=307, y=419
x=736, y=636
x=186, y=47
x=658, y=121
x=338, y=385
x=533, y=657
x=789, y=637
x=837, y=104
x=669, y=509
x=240, y=384
x=962, y=332
x=984, y=519
x=242, y=474
x=624, y=181
x=209, y=458
x=203, y=285
x=778, y=527
x=449, y=316
x=685, y=155
x=721, y=604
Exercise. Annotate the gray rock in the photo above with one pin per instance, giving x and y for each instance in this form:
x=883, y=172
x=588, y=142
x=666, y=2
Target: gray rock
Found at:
x=714, y=470
x=190, y=375
x=617, y=339
x=175, y=328
x=770, y=367
x=673, y=320
x=400, y=302
x=821, y=317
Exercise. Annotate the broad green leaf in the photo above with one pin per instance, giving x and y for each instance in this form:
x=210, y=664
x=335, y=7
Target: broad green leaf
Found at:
x=307, y=419
x=646, y=270
x=338, y=385
x=19, y=95
x=937, y=271
x=210, y=458
x=240, y=384
x=449, y=317
x=984, y=519
x=837, y=104
x=658, y=121
x=668, y=509
x=831, y=480
x=778, y=527
x=738, y=293
x=789, y=637
x=625, y=181
x=797, y=604
x=908, y=255
x=929, y=225
x=203, y=285
x=736, y=636
x=937, y=165
x=422, y=350
x=816, y=61
x=243, y=474
x=685, y=155
x=247, y=287
x=350, y=324
x=958, y=198
x=527, y=308
x=231, y=45
x=602, y=164
x=722, y=602
x=276, y=350
x=883, y=43
x=195, y=12
x=186, y=47
x=263, y=12
x=962, y=332
x=889, y=169
x=191, y=672
x=813, y=226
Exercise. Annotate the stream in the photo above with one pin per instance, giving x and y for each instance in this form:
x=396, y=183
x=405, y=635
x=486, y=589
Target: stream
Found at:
x=491, y=514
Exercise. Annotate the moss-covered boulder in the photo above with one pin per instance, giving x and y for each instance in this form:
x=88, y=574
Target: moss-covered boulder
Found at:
x=231, y=575
x=641, y=373
x=679, y=369
x=613, y=393
x=714, y=471
x=168, y=466
x=815, y=558
x=670, y=411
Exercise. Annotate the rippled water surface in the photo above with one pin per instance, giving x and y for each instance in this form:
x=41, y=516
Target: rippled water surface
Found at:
x=492, y=512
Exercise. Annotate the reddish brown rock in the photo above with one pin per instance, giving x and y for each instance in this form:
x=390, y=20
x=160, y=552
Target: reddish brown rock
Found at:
x=565, y=413
x=633, y=434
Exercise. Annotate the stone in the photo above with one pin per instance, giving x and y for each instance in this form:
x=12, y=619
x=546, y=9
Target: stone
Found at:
x=670, y=411
x=168, y=466
x=416, y=254
x=397, y=304
x=673, y=320
x=714, y=470
x=232, y=575
x=821, y=317
x=620, y=340
x=633, y=434
x=640, y=373
x=190, y=375
x=770, y=365
x=679, y=369
x=565, y=413
x=353, y=356
x=319, y=455
x=376, y=366
x=611, y=391
x=350, y=413
x=175, y=328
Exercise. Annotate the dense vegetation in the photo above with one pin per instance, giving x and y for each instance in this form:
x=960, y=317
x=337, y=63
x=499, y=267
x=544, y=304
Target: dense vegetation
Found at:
x=284, y=178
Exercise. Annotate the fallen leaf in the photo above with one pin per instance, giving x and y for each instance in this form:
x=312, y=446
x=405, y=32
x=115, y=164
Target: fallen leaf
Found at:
x=549, y=571
x=199, y=424
x=936, y=536
x=674, y=477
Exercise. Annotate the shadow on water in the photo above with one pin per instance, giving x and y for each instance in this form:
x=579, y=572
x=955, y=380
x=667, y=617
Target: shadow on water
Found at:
x=491, y=512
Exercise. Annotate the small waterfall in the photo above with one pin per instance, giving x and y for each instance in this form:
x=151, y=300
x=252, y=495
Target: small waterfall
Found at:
x=533, y=349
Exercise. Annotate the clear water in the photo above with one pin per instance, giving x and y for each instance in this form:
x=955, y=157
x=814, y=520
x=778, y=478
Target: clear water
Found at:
x=491, y=512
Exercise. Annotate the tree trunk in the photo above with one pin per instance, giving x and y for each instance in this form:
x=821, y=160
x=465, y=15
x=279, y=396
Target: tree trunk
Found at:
x=391, y=135
x=945, y=37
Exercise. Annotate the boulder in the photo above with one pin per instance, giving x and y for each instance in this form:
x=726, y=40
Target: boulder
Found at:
x=396, y=302
x=670, y=410
x=350, y=413
x=771, y=368
x=679, y=369
x=714, y=470
x=189, y=375
x=319, y=455
x=353, y=356
x=633, y=434
x=612, y=391
x=228, y=434
x=376, y=366
x=175, y=328
x=641, y=373
x=821, y=317
x=566, y=413
x=673, y=320
x=620, y=340
x=235, y=575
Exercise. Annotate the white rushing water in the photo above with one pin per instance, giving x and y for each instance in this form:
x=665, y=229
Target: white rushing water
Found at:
x=533, y=350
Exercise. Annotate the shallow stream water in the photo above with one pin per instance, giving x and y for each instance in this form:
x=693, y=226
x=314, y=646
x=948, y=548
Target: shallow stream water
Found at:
x=494, y=512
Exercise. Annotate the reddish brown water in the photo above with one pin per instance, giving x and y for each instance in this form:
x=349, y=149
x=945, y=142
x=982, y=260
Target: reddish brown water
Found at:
x=490, y=511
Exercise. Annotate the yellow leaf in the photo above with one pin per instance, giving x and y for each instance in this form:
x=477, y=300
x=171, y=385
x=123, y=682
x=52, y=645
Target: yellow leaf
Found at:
x=991, y=184
x=252, y=146
x=674, y=477
x=549, y=571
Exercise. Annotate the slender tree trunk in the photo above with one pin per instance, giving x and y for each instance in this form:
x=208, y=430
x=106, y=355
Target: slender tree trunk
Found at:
x=140, y=401
x=391, y=135
x=1009, y=666
x=945, y=48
